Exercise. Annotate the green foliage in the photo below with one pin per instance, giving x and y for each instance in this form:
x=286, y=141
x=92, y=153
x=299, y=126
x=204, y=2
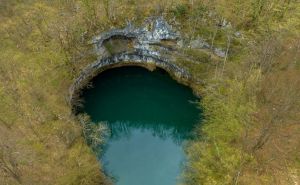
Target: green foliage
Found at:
x=214, y=163
x=180, y=10
x=81, y=171
x=44, y=45
x=216, y=157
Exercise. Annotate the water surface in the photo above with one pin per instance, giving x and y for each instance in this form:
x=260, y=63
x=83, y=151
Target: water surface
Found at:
x=150, y=116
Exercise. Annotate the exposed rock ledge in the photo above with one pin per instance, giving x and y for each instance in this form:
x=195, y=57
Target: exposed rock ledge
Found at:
x=123, y=59
x=142, y=52
x=153, y=31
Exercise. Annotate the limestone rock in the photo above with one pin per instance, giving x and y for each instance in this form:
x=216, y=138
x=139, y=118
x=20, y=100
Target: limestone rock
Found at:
x=199, y=44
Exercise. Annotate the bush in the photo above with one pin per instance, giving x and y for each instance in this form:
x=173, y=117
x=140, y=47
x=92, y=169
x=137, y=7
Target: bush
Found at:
x=180, y=10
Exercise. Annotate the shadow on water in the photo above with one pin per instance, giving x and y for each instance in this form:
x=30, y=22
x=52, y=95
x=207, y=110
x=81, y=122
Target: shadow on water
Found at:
x=150, y=116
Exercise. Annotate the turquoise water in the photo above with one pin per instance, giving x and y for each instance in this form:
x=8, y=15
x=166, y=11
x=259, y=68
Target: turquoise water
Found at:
x=150, y=117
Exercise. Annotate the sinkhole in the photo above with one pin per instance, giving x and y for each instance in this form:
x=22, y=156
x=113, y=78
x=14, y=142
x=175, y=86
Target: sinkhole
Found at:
x=149, y=117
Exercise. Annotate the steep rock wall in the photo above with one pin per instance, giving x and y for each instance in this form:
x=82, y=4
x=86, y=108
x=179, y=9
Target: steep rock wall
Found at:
x=152, y=33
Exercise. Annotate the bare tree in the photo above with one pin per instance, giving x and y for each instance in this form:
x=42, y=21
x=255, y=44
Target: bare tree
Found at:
x=280, y=101
x=226, y=54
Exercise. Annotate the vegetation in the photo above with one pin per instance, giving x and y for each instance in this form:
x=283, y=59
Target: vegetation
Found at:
x=251, y=102
x=251, y=98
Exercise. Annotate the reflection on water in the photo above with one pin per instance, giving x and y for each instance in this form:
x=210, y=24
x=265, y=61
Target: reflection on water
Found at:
x=123, y=129
x=150, y=116
x=143, y=158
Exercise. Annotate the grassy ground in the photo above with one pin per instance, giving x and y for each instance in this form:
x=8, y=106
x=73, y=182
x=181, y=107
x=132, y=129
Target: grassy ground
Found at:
x=251, y=99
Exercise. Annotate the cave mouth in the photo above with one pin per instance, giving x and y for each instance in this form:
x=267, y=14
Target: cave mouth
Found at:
x=149, y=117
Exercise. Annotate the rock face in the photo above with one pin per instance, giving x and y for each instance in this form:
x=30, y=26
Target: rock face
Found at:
x=201, y=44
x=154, y=31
